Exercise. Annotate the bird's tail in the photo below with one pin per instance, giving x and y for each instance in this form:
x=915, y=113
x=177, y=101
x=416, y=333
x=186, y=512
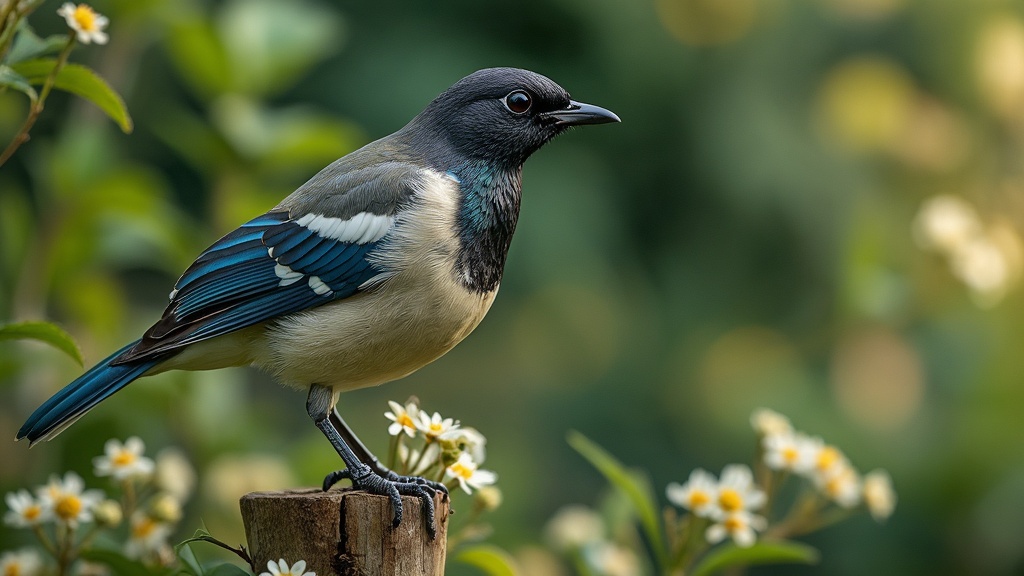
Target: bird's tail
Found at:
x=78, y=397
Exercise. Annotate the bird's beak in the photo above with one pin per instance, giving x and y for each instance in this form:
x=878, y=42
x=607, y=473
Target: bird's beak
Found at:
x=579, y=113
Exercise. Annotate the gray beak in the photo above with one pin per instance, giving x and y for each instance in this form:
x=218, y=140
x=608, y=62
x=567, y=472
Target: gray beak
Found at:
x=578, y=113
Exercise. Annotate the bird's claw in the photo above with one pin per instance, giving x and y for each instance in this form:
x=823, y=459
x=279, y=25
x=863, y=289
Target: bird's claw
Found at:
x=394, y=487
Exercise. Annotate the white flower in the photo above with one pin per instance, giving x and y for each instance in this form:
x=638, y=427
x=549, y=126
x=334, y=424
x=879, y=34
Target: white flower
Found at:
x=25, y=511
x=403, y=419
x=827, y=459
x=767, y=422
x=469, y=477
x=434, y=426
x=68, y=499
x=573, y=527
x=86, y=22
x=147, y=535
x=737, y=492
x=946, y=222
x=740, y=525
x=613, y=560
x=280, y=568
x=841, y=485
x=879, y=494
x=21, y=563
x=790, y=451
x=123, y=461
x=174, y=474
x=467, y=440
x=697, y=495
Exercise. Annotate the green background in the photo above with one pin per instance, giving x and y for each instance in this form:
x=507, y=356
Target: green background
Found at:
x=745, y=238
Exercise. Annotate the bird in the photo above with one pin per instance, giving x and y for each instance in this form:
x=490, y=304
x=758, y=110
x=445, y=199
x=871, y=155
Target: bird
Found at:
x=378, y=265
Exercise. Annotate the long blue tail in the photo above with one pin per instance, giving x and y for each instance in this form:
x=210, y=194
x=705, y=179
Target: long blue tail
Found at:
x=78, y=397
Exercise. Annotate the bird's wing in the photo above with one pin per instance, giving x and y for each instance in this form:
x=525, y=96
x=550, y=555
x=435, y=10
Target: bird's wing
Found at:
x=285, y=261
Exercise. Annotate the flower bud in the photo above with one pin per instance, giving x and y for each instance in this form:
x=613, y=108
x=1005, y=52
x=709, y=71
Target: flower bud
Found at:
x=108, y=513
x=165, y=508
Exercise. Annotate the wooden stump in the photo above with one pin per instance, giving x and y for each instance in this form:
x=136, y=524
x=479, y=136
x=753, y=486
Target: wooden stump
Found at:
x=343, y=533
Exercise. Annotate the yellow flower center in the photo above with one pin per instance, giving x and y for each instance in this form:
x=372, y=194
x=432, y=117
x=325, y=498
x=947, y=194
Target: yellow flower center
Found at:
x=68, y=507
x=12, y=569
x=143, y=528
x=123, y=458
x=790, y=454
x=698, y=498
x=32, y=512
x=827, y=457
x=461, y=470
x=405, y=421
x=730, y=500
x=85, y=18
x=732, y=524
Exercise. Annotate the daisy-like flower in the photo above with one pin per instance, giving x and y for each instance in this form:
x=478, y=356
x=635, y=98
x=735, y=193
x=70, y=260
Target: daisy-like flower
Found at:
x=791, y=451
x=25, y=511
x=827, y=459
x=697, y=495
x=68, y=499
x=403, y=418
x=434, y=426
x=739, y=525
x=123, y=461
x=281, y=568
x=468, y=475
x=879, y=495
x=769, y=422
x=21, y=563
x=86, y=22
x=466, y=440
x=842, y=485
x=573, y=527
x=147, y=535
x=737, y=492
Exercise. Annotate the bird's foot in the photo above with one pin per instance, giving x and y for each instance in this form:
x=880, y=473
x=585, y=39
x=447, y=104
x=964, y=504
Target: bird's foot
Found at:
x=393, y=486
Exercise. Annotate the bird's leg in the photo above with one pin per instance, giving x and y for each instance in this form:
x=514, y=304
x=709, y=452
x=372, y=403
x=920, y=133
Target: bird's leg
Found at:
x=319, y=405
x=367, y=457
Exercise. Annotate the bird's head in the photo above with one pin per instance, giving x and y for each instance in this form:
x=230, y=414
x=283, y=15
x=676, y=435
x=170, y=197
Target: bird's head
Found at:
x=503, y=115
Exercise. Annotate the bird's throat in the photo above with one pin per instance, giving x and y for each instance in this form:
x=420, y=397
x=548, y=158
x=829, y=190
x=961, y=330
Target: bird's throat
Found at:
x=488, y=211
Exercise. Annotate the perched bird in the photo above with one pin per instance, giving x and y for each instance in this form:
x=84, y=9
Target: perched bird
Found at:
x=375, y=267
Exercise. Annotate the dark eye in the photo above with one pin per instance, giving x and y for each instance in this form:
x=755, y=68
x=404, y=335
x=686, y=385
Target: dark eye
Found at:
x=518, y=102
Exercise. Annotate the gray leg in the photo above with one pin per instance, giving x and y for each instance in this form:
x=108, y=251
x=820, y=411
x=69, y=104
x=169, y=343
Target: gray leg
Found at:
x=367, y=457
x=319, y=407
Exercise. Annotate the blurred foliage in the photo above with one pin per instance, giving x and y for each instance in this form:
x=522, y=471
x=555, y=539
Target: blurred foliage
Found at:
x=755, y=233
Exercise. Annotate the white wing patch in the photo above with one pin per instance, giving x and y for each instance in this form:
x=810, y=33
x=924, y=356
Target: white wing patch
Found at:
x=362, y=228
x=359, y=229
x=287, y=275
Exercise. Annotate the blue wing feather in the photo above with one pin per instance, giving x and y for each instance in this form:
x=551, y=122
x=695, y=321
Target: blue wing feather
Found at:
x=251, y=276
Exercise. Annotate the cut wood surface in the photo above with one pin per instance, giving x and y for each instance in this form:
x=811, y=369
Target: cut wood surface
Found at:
x=343, y=533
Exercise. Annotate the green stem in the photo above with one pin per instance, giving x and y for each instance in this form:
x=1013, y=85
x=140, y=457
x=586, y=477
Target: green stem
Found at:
x=37, y=106
x=67, y=552
x=128, y=500
x=45, y=540
x=393, y=450
x=9, y=18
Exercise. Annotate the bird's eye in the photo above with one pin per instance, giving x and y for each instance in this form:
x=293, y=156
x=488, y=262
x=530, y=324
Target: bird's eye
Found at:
x=518, y=102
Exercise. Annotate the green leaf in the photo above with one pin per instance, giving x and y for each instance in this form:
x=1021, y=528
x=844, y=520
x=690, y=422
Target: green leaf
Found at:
x=732, y=556
x=227, y=569
x=637, y=491
x=188, y=558
x=44, y=332
x=12, y=79
x=28, y=45
x=80, y=81
x=492, y=560
x=121, y=565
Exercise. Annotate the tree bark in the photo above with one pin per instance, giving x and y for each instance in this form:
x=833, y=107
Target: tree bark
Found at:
x=343, y=533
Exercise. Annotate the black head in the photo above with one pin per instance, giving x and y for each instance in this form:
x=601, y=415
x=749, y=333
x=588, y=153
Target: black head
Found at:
x=505, y=114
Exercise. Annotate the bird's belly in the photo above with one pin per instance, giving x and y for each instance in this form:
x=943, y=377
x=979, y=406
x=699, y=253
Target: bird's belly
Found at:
x=373, y=337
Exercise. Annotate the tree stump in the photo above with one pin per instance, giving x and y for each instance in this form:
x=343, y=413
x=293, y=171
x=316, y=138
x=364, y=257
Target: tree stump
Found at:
x=343, y=533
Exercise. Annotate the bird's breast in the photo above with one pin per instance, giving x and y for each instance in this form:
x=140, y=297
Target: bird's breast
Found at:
x=420, y=312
